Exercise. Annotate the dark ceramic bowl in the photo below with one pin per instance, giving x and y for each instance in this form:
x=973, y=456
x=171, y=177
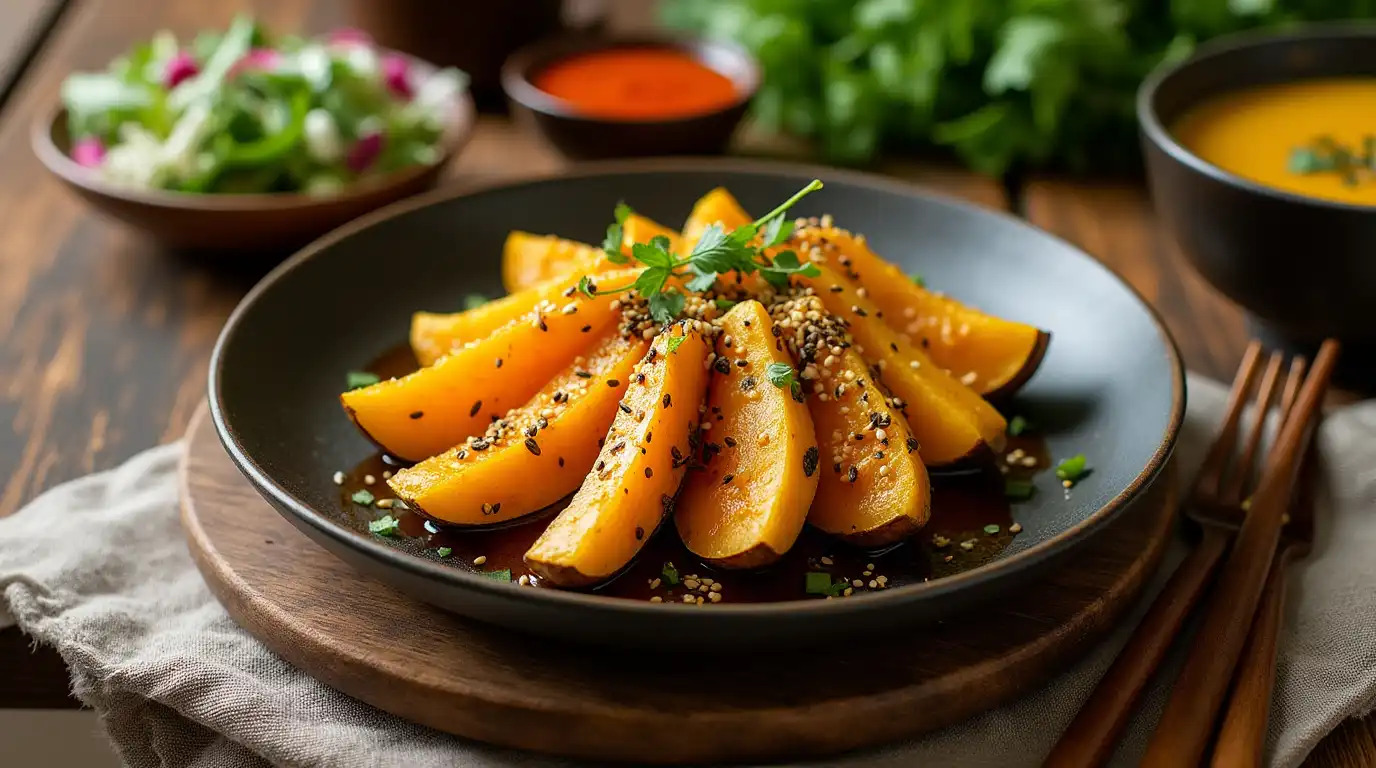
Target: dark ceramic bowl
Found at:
x=1301, y=265
x=273, y=222
x=583, y=137
x=1111, y=385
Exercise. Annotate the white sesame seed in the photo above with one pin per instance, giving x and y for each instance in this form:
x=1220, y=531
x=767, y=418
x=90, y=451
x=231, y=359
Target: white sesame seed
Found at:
x=884, y=470
x=913, y=364
x=883, y=580
x=339, y=478
x=689, y=599
x=848, y=592
x=1029, y=461
x=386, y=474
x=968, y=544
x=716, y=587
x=385, y=503
x=870, y=566
x=655, y=584
x=369, y=479
x=1015, y=528
x=857, y=583
x=1066, y=483
x=480, y=560
x=524, y=580
x=874, y=584
x=881, y=435
x=691, y=583
x=849, y=375
x=861, y=292
x=656, y=599
x=764, y=438
x=969, y=378
x=827, y=561
x=705, y=426
x=714, y=597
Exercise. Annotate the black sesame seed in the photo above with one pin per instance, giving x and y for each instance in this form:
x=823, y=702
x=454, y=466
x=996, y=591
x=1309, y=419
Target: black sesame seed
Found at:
x=727, y=479
x=582, y=374
x=859, y=436
x=810, y=458
x=613, y=383
x=742, y=363
x=676, y=453
x=852, y=474
x=913, y=445
x=463, y=454
x=543, y=327
x=542, y=422
x=668, y=400
x=837, y=289
x=624, y=408
x=639, y=533
x=893, y=346
x=417, y=414
x=600, y=465
x=722, y=366
x=496, y=507
x=925, y=343
x=477, y=406
x=499, y=362
x=561, y=461
x=666, y=504
x=649, y=472
x=532, y=430
x=777, y=331
x=836, y=467
x=587, y=328
x=481, y=444
x=532, y=446
x=748, y=383
x=730, y=442
x=648, y=437
x=650, y=358
x=857, y=310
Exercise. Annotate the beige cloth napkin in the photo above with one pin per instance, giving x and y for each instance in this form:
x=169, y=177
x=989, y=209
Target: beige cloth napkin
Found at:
x=98, y=569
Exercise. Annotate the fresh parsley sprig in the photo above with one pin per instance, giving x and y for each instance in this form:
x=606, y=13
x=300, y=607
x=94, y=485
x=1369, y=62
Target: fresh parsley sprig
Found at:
x=716, y=252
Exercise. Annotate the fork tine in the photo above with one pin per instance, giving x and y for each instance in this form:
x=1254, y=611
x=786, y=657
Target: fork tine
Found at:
x=1211, y=471
x=1241, y=473
x=1292, y=386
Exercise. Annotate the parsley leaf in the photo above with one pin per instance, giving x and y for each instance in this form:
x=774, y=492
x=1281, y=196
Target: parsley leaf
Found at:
x=777, y=232
x=651, y=281
x=917, y=279
x=363, y=497
x=1073, y=468
x=672, y=343
x=665, y=307
x=444, y=551
x=701, y=282
x=782, y=376
x=670, y=574
x=616, y=233
x=360, y=379
x=1017, y=425
x=385, y=526
x=502, y=575
x=474, y=300
x=726, y=304
x=652, y=255
x=816, y=583
x=585, y=287
x=786, y=264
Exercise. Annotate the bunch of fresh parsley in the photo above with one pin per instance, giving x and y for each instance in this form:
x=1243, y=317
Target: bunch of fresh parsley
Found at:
x=716, y=252
x=1003, y=83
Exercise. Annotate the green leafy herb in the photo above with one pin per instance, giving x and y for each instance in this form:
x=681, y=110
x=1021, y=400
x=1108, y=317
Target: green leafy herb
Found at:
x=474, y=300
x=917, y=279
x=672, y=343
x=992, y=529
x=1328, y=155
x=1017, y=425
x=385, y=526
x=715, y=252
x=444, y=551
x=1073, y=468
x=1003, y=84
x=360, y=379
x=782, y=376
x=816, y=583
x=502, y=575
x=838, y=588
x=1018, y=490
x=616, y=234
x=725, y=304
x=670, y=574
x=363, y=497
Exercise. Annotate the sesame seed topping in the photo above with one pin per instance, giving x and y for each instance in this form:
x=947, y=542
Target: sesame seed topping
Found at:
x=480, y=560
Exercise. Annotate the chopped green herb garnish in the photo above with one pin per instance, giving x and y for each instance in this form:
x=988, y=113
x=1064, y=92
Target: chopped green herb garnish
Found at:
x=672, y=343
x=816, y=583
x=474, y=300
x=1018, y=490
x=782, y=376
x=444, y=551
x=917, y=278
x=1327, y=155
x=716, y=252
x=670, y=574
x=612, y=244
x=992, y=529
x=725, y=304
x=502, y=575
x=1073, y=468
x=385, y=526
x=838, y=588
x=358, y=379
x=363, y=497
x=1017, y=425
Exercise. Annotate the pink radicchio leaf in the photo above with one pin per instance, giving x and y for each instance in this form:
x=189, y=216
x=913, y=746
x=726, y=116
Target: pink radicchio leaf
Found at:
x=179, y=68
x=396, y=72
x=350, y=36
x=256, y=60
x=364, y=152
x=89, y=152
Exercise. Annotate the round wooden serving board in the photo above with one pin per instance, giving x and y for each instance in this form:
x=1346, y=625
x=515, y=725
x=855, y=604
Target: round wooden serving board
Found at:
x=480, y=682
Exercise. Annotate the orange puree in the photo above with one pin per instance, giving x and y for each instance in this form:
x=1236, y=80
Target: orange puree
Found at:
x=637, y=84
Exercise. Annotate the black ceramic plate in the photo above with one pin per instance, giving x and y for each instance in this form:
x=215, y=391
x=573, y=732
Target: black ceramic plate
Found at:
x=1111, y=385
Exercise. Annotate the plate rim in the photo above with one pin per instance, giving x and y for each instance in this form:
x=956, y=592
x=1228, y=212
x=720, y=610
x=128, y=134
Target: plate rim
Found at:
x=451, y=577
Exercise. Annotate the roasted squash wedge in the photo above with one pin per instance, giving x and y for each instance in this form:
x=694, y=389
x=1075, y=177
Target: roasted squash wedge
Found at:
x=715, y=207
x=639, y=229
x=421, y=414
x=746, y=505
x=873, y=489
x=992, y=356
x=534, y=456
x=951, y=422
x=637, y=473
x=530, y=259
x=433, y=335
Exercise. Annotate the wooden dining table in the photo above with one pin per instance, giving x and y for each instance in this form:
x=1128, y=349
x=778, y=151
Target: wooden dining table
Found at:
x=106, y=336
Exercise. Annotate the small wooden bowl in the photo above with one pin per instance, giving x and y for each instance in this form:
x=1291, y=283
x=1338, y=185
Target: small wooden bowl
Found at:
x=582, y=137
x=230, y=222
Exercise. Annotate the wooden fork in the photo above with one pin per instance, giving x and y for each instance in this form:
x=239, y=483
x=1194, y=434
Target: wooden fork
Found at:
x=1242, y=739
x=1217, y=507
x=1188, y=721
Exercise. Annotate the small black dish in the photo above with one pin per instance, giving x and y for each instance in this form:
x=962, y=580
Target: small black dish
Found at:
x=1302, y=266
x=583, y=137
x=1111, y=385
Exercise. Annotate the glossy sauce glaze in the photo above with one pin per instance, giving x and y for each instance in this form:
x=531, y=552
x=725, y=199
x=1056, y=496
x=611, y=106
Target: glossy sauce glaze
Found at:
x=637, y=84
x=970, y=525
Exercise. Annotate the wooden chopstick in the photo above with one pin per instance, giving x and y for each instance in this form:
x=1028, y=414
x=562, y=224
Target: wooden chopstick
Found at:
x=1188, y=722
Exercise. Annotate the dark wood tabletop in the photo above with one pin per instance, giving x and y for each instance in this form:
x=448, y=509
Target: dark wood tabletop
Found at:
x=106, y=337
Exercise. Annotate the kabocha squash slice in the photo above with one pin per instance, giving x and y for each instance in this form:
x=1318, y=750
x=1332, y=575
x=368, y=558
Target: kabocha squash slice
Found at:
x=715, y=207
x=873, y=489
x=630, y=490
x=536, y=455
x=531, y=259
x=992, y=356
x=434, y=335
x=950, y=421
x=746, y=505
x=419, y=415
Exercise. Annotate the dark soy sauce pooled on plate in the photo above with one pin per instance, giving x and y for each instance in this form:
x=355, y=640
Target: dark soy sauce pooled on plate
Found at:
x=969, y=526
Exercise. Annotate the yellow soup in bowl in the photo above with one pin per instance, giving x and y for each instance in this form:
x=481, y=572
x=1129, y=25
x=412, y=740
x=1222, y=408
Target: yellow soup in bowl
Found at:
x=1311, y=137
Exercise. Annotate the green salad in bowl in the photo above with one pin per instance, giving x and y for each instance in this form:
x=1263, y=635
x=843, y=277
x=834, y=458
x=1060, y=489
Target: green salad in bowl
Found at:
x=245, y=111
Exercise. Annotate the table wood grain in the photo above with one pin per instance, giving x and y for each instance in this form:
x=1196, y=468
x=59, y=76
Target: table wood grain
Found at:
x=106, y=337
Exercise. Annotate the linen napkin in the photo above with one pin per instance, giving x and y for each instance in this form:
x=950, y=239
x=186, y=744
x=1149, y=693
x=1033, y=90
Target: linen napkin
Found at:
x=98, y=568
